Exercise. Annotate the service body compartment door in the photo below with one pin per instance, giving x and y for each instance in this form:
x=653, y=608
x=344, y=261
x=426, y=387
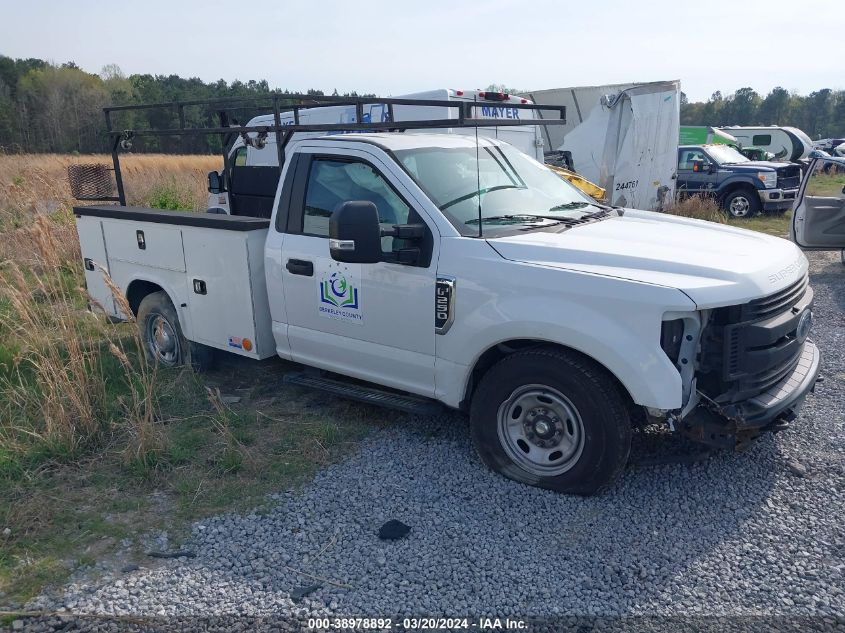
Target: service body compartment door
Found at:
x=94, y=256
x=818, y=221
x=227, y=294
x=145, y=243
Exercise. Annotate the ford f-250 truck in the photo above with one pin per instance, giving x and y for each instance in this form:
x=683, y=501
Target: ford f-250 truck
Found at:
x=741, y=186
x=422, y=270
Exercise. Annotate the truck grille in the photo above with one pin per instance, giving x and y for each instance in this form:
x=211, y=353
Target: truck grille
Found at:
x=775, y=303
x=789, y=177
x=748, y=348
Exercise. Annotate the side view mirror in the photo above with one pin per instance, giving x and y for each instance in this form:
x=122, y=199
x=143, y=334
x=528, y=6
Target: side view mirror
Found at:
x=700, y=166
x=355, y=233
x=355, y=236
x=215, y=183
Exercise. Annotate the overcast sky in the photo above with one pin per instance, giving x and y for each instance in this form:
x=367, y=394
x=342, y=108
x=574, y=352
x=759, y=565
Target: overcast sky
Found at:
x=390, y=47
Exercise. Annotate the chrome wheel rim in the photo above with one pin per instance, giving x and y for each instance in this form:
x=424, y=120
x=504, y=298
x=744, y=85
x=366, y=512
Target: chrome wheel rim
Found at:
x=740, y=206
x=162, y=340
x=540, y=430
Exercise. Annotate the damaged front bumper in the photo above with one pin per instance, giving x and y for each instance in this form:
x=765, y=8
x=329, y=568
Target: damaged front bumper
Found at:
x=734, y=425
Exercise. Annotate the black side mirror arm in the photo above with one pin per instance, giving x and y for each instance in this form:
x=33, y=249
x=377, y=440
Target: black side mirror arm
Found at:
x=407, y=256
x=405, y=231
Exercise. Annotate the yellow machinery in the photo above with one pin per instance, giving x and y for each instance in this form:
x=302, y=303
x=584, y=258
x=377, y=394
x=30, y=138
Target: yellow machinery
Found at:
x=591, y=189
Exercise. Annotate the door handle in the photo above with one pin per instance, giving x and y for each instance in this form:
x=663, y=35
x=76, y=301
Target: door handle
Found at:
x=300, y=267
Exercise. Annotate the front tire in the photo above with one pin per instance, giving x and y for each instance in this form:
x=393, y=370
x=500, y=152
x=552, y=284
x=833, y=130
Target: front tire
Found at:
x=742, y=203
x=162, y=337
x=551, y=419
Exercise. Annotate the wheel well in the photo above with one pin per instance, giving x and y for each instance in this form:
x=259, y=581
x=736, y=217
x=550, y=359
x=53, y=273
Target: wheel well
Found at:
x=136, y=292
x=496, y=353
x=737, y=187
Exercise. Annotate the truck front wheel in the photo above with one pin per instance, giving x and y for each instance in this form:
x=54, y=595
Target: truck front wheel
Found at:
x=742, y=203
x=551, y=419
x=162, y=336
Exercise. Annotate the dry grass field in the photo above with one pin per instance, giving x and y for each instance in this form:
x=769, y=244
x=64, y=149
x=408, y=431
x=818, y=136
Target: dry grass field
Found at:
x=36, y=185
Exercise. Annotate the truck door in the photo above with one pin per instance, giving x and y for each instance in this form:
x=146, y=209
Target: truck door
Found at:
x=694, y=176
x=370, y=321
x=818, y=221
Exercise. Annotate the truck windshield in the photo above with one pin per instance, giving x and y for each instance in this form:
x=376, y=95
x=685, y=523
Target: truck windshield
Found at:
x=510, y=187
x=725, y=155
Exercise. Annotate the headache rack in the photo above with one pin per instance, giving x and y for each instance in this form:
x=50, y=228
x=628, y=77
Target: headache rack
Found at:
x=460, y=114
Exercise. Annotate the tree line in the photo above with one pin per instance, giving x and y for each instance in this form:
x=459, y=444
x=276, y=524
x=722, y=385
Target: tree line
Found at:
x=46, y=107
x=821, y=114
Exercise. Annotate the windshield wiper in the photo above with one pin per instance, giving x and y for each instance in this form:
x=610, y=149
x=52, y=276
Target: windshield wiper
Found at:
x=579, y=205
x=595, y=215
x=517, y=218
x=569, y=205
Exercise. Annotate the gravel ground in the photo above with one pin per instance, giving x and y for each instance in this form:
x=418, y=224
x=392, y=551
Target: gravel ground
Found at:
x=756, y=533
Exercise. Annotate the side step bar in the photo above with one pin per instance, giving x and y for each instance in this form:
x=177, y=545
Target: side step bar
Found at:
x=362, y=393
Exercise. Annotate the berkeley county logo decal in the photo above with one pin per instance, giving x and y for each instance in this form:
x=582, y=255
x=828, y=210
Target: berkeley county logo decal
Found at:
x=339, y=291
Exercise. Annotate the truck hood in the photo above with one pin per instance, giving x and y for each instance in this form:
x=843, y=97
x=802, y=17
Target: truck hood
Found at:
x=714, y=264
x=754, y=165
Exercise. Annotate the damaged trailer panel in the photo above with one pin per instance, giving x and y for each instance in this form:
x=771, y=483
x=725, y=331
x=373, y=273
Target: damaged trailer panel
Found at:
x=623, y=137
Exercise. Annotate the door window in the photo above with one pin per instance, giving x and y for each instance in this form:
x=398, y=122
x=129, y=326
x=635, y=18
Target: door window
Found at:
x=688, y=157
x=240, y=157
x=827, y=181
x=332, y=182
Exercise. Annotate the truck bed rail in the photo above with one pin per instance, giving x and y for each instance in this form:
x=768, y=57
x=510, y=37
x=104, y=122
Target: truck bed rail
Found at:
x=182, y=218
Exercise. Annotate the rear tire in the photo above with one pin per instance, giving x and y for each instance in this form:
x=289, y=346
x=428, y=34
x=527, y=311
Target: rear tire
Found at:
x=161, y=334
x=742, y=203
x=552, y=419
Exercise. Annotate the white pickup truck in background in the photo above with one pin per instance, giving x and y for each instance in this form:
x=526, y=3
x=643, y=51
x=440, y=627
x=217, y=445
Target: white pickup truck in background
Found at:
x=421, y=270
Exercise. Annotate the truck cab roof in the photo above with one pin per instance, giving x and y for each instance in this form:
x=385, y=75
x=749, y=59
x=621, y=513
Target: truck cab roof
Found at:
x=396, y=141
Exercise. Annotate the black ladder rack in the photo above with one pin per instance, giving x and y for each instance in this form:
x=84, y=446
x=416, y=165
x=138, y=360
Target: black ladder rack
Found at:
x=296, y=103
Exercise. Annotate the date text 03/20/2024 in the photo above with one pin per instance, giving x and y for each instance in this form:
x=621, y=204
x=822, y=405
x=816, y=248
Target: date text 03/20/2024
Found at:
x=479, y=624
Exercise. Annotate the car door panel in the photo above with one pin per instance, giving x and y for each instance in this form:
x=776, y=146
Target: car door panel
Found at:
x=689, y=181
x=370, y=321
x=819, y=220
x=823, y=224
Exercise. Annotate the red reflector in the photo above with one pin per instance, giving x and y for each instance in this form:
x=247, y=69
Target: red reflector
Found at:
x=459, y=93
x=523, y=100
x=482, y=95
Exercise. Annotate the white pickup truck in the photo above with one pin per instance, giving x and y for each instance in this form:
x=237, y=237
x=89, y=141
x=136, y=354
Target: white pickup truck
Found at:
x=413, y=270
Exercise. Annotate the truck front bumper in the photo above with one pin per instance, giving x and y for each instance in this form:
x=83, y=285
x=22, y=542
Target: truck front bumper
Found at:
x=777, y=199
x=734, y=425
